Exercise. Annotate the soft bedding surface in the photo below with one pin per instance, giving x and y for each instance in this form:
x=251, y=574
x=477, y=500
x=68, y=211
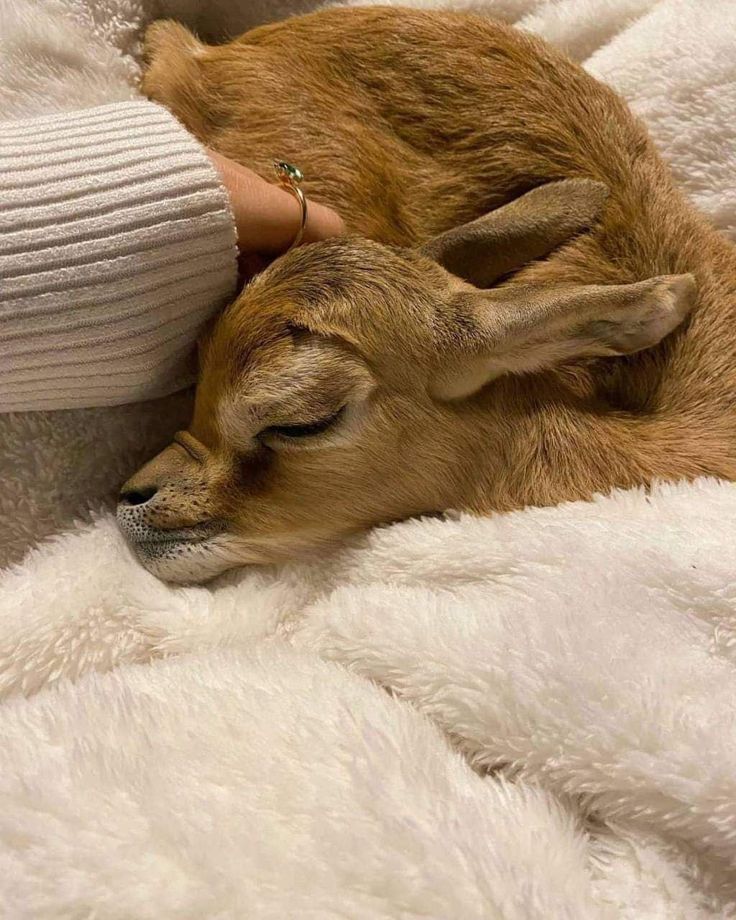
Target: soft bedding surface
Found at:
x=558, y=740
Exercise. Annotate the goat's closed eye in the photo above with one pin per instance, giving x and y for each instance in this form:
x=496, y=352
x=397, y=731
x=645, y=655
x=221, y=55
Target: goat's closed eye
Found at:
x=306, y=430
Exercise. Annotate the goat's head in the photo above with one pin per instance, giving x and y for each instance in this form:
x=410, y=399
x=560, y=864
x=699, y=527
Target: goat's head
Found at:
x=342, y=388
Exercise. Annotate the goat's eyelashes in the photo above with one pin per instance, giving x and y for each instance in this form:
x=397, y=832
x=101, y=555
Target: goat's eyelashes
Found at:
x=298, y=432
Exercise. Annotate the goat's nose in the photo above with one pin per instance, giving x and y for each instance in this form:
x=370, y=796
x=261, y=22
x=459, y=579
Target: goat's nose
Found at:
x=137, y=496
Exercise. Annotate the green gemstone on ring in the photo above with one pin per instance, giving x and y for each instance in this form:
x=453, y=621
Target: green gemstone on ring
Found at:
x=288, y=172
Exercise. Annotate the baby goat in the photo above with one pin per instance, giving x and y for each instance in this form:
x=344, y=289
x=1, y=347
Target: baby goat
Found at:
x=436, y=358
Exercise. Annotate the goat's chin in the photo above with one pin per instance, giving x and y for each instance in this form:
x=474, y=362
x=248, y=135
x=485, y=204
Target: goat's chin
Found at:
x=195, y=563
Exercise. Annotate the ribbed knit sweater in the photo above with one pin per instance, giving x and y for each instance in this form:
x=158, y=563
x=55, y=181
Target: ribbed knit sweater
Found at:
x=116, y=244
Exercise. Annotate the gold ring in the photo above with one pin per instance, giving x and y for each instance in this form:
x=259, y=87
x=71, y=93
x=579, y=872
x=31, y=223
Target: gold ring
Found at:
x=290, y=178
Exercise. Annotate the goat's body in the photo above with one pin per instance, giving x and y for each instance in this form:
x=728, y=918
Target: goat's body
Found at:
x=410, y=123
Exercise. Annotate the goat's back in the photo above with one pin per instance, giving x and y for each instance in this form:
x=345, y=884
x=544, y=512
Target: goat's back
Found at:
x=411, y=122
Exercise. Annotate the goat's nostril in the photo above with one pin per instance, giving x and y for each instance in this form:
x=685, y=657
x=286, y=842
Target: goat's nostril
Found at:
x=137, y=496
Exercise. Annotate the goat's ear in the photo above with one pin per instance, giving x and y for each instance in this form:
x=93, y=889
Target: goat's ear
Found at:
x=527, y=228
x=529, y=328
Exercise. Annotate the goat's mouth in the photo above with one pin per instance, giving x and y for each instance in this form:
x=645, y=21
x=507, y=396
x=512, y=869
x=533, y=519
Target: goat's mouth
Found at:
x=188, y=555
x=198, y=533
x=149, y=541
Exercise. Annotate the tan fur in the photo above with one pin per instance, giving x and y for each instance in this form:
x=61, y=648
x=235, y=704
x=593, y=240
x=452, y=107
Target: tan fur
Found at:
x=411, y=123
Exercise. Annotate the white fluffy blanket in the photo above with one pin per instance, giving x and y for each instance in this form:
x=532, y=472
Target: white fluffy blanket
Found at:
x=581, y=661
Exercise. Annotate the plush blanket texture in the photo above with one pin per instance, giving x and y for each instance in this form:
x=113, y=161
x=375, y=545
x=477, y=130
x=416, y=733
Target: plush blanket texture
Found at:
x=558, y=740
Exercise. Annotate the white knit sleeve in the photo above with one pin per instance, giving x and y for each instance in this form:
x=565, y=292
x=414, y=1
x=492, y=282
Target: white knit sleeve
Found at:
x=116, y=244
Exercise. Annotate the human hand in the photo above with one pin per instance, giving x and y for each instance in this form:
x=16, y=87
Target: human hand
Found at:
x=267, y=216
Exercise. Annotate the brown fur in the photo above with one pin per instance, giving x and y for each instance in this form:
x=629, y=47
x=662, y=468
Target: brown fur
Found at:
x=410, y=123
